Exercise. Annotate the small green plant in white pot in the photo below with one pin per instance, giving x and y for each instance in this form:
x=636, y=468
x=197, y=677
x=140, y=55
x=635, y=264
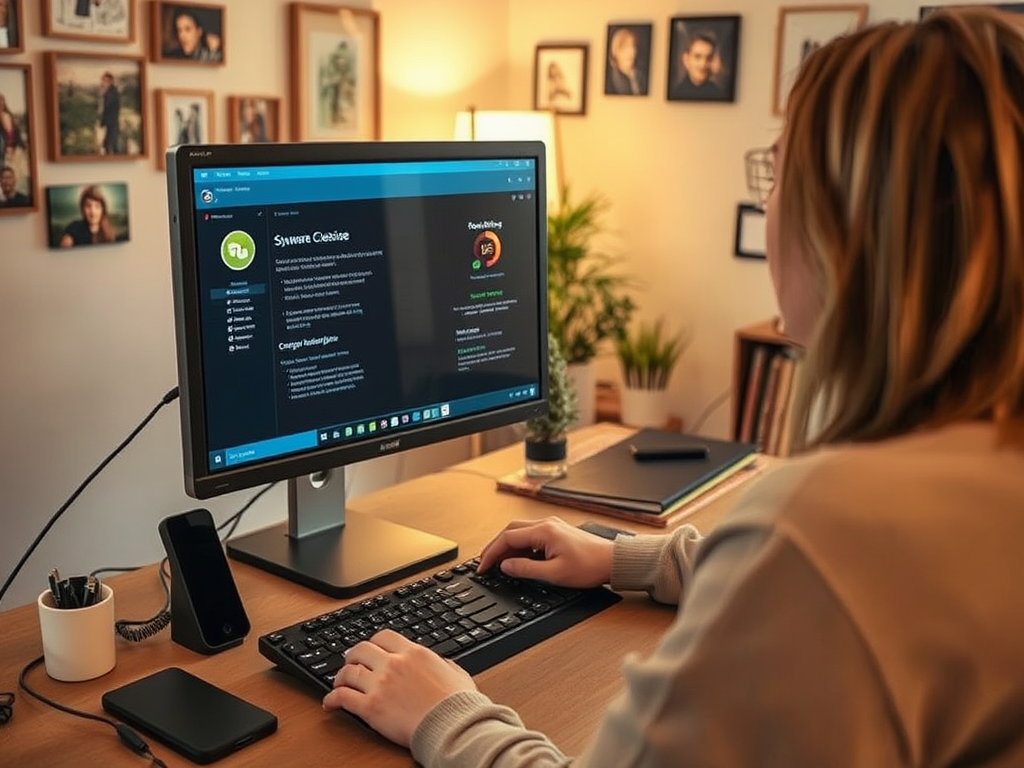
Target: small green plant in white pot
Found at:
x=647, y=356
x=546, y=443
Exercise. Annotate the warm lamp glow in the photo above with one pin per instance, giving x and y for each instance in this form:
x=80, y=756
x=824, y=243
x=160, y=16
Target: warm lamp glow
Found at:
x=509, y=125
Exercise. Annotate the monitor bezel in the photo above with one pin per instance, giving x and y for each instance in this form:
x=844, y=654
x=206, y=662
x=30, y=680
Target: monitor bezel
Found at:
x=202, y=483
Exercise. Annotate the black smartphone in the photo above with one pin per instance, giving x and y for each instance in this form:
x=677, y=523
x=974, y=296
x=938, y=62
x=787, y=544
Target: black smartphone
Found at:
x=207, y=614
x=669, y=451
x=190, y=715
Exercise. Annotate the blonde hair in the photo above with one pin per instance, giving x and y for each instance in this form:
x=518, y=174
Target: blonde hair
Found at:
x=903, y=182
x=621, y=37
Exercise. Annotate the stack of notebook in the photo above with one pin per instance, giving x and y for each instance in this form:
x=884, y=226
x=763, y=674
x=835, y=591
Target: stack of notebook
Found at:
x=613, y=482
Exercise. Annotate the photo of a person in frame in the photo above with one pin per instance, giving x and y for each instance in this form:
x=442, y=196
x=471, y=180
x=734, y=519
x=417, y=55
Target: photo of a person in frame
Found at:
x=702, y=60
x=91, y=214
x=192, y=34
x=8, y=25
x=629, y=50
x=253, y=121
x=10, y=197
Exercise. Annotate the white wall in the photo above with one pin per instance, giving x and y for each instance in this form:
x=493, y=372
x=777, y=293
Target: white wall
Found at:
x=87, y=337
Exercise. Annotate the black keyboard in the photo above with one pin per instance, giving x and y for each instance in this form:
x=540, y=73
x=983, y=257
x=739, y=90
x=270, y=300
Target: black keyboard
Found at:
x=477, y=620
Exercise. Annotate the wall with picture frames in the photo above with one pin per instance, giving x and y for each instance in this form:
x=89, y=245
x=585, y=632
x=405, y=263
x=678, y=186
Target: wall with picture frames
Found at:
x=88, y=330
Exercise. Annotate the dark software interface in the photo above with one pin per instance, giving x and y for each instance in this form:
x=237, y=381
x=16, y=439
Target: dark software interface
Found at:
x=344, y=302
x=334, y=302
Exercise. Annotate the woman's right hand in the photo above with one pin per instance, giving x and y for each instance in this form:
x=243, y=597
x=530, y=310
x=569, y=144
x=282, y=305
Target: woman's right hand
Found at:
x=550, y=550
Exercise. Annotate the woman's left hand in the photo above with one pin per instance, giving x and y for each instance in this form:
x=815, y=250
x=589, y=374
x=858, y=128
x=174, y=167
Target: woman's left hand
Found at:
x=392, y=683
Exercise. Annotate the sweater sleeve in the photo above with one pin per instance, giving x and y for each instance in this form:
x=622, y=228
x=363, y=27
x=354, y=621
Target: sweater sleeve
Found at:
x=761, y=667
x=660, y=565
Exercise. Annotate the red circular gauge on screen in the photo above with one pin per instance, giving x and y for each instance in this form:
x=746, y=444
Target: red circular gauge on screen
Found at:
x=487, y=248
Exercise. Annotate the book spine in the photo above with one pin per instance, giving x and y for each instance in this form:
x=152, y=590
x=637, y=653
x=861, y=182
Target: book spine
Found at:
x=752, y=395
x=768, y=403
x=783, y=394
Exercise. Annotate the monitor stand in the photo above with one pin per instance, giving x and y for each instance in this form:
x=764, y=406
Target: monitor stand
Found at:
x=340, y=553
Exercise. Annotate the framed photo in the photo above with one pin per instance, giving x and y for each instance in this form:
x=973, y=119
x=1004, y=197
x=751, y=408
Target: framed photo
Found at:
x=87, y=214
x=1008, y=7
x=10, y=26
x=703, y=52
x=108, y=21
x=182, y=117
x=751, y=235
x=627, y=60
x=254, y=119
x=335, y=65
x=801, y=31
x=97, y=109
x=18, y=192
x=187, y=33
x=560, y=78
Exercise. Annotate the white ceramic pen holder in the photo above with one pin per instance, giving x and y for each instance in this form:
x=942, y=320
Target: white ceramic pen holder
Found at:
x=78, y=643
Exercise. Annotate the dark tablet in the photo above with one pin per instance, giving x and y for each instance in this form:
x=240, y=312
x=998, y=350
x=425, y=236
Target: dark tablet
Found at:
x=189, y=715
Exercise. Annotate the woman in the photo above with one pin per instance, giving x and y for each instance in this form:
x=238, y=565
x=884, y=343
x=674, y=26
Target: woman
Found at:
x=252, y=125
x=94, y=226
x=10, y=135
x=855, y=607
x=623, y=76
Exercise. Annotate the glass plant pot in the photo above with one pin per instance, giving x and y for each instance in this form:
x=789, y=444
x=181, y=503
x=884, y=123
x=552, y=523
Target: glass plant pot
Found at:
x=546, y=459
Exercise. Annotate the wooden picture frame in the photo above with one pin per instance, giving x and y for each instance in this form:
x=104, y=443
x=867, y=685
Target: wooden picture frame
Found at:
x=703, y=58
x=800, y=31
x=112, y=21
x=11, y=35
x=254, y=119
x=182, y=117
x=17, y=118
x=560, y=78
x=187, y=33
x=97, y=106
x=87, y=214
x=751, y=236
x=1007, y=7
x=335, y=73
x=627, y=59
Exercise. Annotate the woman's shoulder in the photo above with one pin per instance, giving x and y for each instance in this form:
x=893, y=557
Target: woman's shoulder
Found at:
x=884, y=483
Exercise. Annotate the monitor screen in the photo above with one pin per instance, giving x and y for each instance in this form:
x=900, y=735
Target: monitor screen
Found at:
x=339, y=301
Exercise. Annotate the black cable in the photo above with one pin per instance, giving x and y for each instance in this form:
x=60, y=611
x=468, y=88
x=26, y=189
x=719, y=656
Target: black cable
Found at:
x=126, y=735
x=6, y=707
x=713, y=406
x=236, y=518
x=167, y=399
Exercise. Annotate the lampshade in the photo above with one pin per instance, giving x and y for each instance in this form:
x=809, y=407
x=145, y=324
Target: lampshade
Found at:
x=516, y=125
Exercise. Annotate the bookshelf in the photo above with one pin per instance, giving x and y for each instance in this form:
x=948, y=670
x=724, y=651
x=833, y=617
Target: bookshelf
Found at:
x=765, y=365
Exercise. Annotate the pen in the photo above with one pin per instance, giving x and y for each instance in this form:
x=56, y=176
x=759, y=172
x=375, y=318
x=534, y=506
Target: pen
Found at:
x=54, y=590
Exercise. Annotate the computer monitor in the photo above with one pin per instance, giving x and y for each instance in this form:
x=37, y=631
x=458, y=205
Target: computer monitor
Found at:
x=335, y=302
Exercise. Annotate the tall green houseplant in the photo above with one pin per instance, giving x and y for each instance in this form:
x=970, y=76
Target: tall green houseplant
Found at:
x=588, y=300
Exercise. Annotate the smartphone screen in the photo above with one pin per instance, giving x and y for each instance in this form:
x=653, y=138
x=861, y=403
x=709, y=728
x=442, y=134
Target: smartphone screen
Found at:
x=197, y=555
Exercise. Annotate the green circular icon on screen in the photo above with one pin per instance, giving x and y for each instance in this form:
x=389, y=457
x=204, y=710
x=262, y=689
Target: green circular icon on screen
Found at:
x=237, y=250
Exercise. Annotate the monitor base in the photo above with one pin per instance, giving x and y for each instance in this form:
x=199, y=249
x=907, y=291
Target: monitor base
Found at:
x=363, y=554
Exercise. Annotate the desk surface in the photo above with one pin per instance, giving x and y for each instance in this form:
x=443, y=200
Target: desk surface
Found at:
x=460, y=503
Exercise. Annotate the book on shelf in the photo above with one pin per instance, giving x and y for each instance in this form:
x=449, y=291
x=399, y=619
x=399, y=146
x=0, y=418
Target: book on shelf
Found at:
x=610, y=481
x=783, y=395
x=752, y=395
x=768, y=400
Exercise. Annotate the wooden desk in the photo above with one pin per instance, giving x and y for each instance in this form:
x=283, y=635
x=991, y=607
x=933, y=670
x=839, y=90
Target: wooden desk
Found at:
x=460, y=503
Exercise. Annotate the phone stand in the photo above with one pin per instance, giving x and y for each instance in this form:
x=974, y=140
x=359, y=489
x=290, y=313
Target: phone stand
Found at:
x=186, y=629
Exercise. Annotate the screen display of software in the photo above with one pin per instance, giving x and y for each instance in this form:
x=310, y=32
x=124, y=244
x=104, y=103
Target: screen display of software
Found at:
x=339, y=301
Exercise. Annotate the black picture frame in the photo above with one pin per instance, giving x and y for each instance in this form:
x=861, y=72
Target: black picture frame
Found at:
x=749, y=240
x=627, y=60
x=560, y=78
x=703, y=58
x=67, y=221
x=1008, y=7
x=11, y=41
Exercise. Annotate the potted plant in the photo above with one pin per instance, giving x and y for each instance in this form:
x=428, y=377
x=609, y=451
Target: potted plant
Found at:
x=588, y=299
x=546, y=442
x=647, y=357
